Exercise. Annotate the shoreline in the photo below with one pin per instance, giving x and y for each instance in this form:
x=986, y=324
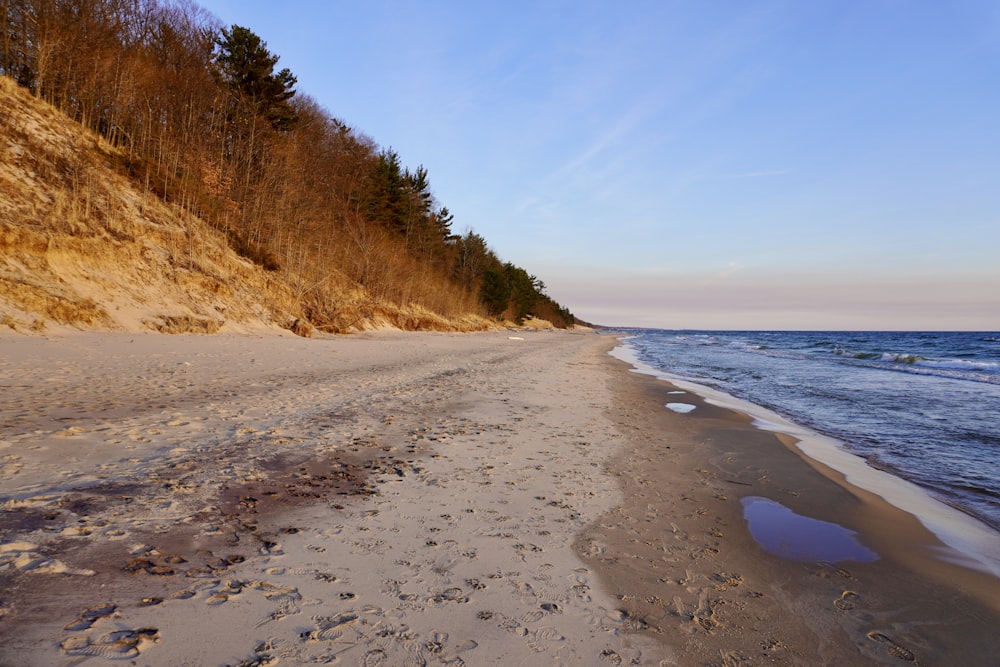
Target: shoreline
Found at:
x=909, y=605
x=401, y=498
x=966, y=540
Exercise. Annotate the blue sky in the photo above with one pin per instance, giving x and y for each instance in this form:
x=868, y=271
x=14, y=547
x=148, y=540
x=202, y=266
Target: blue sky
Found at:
x=689, y=164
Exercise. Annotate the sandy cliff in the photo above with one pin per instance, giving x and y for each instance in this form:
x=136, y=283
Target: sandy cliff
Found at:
x=81, y=245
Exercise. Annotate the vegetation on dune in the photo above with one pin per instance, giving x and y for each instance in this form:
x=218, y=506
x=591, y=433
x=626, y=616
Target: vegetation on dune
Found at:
x=198, y=117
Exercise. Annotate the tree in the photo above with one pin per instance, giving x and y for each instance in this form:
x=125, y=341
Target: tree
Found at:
x=494, y=291
x=387, y=193
x=248, y=67
x=16, y=41
x=524, y=291
x=420, y=189
x=442, y=220
x=471, y=257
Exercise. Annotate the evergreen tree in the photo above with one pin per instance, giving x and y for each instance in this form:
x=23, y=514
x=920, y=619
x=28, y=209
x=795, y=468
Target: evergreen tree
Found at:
x=387, y=192
x=420, y=188
x=494, y=291
x=443, y=219
x=524, y=291
x=248, y=67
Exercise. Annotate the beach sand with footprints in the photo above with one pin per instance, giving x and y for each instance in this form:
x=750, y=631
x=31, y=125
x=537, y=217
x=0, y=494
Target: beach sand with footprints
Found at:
x=421, y=499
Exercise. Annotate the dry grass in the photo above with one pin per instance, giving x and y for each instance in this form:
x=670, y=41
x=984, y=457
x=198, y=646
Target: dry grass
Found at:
x=536, y=324
x=178, y=324
x=64, y=308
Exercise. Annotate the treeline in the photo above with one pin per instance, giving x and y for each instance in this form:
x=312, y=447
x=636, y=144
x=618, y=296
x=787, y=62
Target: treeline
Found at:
x=202, y=116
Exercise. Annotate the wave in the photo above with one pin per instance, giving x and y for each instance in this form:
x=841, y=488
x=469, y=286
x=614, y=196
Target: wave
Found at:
x=963, y=369
x=841, y=352
x=954, y=358
x=910, y=359
x=700, y=339
x=959, y=364
x=952, y=364
x=980, y=371
x=750, y=347
x=902, y=358
x=890, y=357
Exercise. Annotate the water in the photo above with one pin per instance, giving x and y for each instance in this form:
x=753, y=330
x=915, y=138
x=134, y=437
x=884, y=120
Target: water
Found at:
x=922, y=406
x=782, y=532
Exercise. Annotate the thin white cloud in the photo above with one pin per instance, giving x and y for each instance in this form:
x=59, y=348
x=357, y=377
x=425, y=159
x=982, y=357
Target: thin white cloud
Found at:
x=761, y=174
x=616, y=135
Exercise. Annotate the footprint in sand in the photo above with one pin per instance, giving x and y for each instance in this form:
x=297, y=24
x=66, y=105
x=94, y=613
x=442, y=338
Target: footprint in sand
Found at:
x=436, y=643
x=330, y=628
x=232, y=588
x=724, y=581
x=117, y=645
x=532, y=616
x=847, y=601
x=611, y=656
x=542, y=639
x=582, y=591
x=894, y=649
x=91, y=615
x=375, y=658
x=449, y=595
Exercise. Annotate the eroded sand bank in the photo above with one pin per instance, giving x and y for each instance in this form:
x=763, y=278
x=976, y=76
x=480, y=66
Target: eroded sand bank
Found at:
x=409, y=499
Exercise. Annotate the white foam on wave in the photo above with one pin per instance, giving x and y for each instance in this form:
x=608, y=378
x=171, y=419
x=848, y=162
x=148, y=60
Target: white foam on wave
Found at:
x=750, y=347
x=972, y=543
x=681, y=408
x=915, y=360
x=957, y=364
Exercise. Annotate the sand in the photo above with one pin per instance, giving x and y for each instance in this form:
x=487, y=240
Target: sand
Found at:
x=416, y=499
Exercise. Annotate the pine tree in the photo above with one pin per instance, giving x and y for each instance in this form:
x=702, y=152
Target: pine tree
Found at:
x=248, y=67
x=495, y=291
x=443, y=219
x=387, y=192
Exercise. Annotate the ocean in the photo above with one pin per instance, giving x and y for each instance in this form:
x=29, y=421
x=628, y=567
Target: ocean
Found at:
x=924, y=407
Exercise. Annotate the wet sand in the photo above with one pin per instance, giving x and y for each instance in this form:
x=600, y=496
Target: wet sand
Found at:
x=414, y=499
x=680, y=557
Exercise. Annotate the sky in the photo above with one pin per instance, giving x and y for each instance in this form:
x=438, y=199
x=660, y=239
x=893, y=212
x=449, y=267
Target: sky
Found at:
x=752, y=164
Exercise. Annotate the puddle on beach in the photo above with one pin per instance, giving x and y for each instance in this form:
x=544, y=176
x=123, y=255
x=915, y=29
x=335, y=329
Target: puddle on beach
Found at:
x=791, y=536
x=680, y=407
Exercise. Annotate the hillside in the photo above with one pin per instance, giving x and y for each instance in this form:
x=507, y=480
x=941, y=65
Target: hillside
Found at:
x=168, y=178
x=80, y=245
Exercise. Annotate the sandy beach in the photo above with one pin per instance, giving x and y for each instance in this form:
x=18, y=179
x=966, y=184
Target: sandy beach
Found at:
x=515, y=498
